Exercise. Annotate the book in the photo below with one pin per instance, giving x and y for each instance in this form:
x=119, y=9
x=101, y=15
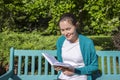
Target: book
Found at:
x=54, y=62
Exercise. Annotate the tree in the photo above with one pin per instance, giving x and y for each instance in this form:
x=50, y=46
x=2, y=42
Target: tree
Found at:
x=102, y=16
x=96, y=17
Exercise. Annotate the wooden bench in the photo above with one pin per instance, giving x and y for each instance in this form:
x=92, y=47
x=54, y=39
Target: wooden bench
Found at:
x=31, y=65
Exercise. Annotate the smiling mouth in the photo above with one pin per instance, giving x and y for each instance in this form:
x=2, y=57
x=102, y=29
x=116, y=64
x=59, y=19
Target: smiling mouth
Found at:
x=68, y=35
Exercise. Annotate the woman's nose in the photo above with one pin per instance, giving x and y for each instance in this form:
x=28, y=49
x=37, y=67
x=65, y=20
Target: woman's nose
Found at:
x=65, y=32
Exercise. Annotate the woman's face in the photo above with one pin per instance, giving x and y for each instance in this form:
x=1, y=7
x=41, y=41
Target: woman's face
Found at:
x=68, y=30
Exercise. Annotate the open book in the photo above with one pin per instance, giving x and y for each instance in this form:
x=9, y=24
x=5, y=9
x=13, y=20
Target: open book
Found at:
x=54, y=62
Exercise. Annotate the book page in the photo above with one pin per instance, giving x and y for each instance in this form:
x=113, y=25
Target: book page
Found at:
x=63, y=65
x=54, y=62
x=51, y=59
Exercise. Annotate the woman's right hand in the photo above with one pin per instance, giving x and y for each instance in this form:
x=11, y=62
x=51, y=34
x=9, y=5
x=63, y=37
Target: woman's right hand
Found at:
x=66, y=71
x=57, y=68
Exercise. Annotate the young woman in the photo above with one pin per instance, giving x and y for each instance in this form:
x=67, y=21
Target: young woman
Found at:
x=76, y=50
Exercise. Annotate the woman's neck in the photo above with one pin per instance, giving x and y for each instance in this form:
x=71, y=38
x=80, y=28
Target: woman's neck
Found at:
x=75, y=39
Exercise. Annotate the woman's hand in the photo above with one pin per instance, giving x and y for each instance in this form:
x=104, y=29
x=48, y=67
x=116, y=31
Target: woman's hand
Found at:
x=57, y=68
x=66, y=71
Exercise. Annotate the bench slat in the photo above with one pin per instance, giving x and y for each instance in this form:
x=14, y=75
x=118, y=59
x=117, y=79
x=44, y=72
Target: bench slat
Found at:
x=46, y=67
x=108, y=65
x=26, y=65
x=114, y=65
x=119, y=64
x=19, y=65
x=108, y=53
x=39, y=65
x=52, y=71
x=33, y=65
x=109, y=77
x=102, y=60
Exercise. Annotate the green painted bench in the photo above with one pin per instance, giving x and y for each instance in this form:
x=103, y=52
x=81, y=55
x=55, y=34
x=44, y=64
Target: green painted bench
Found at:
x=31, y=65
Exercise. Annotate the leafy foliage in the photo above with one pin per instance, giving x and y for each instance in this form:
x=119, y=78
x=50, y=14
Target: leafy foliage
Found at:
x=58, y=8
x=25, y=41
x=95, y=16
x=103, y=16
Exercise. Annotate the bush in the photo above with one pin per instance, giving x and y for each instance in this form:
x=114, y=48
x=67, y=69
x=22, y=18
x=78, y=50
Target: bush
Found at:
x=35, y=40
x=25, y=41
x=103, y=42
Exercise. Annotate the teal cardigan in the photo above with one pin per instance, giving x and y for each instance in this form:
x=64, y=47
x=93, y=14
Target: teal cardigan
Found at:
x=88, y=52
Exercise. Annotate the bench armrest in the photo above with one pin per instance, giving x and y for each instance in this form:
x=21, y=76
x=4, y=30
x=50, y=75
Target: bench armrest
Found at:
x=7, y=75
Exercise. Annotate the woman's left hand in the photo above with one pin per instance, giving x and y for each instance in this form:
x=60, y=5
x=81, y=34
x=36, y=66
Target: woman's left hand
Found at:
x=67, y=71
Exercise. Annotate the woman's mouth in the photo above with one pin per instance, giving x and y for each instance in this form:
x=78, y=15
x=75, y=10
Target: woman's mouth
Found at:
x=68, y=36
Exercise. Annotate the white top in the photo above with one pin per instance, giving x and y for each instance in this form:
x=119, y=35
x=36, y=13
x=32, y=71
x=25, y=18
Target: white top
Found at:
x=71, y=54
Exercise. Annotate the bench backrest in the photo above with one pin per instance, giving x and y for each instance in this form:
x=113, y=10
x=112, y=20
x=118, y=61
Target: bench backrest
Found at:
x=31, y=65
x=109, y=64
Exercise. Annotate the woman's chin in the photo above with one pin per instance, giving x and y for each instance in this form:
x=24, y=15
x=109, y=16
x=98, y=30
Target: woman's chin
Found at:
x=68, y=39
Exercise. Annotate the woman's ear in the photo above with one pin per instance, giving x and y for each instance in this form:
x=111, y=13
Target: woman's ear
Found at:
x=77, y=24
